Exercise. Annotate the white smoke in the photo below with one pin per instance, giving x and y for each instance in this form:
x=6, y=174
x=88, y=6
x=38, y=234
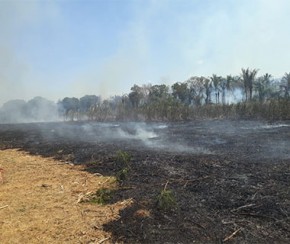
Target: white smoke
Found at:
x=152, y=136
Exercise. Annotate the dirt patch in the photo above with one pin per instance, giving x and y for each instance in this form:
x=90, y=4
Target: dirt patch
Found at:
x=40, y=202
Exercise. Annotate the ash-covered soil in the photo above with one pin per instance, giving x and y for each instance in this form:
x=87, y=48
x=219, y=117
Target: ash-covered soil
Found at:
x=230, y=179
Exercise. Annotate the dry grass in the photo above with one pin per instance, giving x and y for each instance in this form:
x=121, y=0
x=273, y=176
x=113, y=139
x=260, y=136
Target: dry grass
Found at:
x=39, y=202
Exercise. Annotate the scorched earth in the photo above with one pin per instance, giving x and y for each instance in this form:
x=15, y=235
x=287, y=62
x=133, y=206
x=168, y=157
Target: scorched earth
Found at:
x=229, y=179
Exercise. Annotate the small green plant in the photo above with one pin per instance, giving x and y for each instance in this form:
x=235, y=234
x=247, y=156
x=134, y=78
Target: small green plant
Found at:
x=122, y=175
x=102, y=196
x=166, y=200
x=123, y=159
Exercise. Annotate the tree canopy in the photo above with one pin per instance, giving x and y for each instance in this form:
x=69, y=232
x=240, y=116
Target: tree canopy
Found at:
x=216, y=96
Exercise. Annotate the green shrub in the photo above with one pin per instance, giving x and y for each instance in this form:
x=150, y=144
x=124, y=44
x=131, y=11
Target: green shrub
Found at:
x=166, y=200
x=122, y=174
x=123, y=159
x=102, y=196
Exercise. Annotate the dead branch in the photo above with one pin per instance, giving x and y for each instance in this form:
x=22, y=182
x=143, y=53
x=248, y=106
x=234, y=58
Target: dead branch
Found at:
x=258, y=216
x=244, y=206
x=4, y=207
x=103, y=240
x=166, y=185
x=231, y=236
x=83, y=196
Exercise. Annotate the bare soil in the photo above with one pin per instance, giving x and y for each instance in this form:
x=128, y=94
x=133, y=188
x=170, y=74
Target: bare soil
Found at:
x=230, y=180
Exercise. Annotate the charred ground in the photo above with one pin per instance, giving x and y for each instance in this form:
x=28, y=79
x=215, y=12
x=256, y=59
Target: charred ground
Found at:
x=230, y=179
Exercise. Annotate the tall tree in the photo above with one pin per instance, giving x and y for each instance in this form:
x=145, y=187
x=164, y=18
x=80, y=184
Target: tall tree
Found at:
x=223, y=87
x=180, y=91
x=71, y=107
x=286, y=84
x=233, y=83
x=41, y=109
x=196, y=88
x=207, y=84
x=135, y=96
x=158, y=92
x=216, y=81
x=262, y=87
x=248, y=77
x=88, y=101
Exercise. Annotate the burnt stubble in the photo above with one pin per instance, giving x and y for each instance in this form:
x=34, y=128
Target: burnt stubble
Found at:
x=230, y=179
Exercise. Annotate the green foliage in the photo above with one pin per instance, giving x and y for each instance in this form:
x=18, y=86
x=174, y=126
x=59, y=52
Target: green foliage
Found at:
x=158, y=92
x=249, y=77
x=196, y=97
x=102, y=196
x=181, y=92
x=123, y=159
x=87, y=102
x=166, y=200
x=122, y=175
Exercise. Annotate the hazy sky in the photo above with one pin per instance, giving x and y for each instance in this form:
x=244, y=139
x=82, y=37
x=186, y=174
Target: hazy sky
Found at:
x=70, y=48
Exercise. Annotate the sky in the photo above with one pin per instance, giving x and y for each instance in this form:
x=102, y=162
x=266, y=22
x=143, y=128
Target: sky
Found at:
x=72, y=48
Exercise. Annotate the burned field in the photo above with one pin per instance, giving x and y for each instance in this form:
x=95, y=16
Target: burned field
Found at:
x=229, y=180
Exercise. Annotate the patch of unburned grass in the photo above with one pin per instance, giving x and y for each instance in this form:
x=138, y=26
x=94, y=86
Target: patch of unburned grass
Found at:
x=39, y=201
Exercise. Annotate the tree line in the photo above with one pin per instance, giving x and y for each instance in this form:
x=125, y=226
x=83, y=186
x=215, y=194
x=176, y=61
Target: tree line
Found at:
x=242, y=96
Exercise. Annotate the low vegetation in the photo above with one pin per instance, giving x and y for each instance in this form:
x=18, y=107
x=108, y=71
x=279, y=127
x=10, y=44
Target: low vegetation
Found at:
x=122, y=175
x=123, y=159
x=101, y=196
x=166, y=200
x=122, y=163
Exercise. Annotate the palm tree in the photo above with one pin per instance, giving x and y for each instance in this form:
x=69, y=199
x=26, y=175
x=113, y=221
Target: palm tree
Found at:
x=262, y=86
x=216, y=81
x=286, y=85
x=230, y=84
x=207, y=84
x=248, y=77
x=224, y=87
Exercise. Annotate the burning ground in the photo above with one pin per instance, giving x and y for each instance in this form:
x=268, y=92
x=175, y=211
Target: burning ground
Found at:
x=229, y=179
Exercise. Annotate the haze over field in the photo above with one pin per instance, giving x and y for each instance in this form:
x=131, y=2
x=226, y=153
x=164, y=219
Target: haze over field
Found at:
x=72, y=48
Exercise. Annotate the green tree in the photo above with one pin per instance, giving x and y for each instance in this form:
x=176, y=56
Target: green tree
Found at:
x=217, y=85
x=248, y=77
x=232, y=83
x=135, y=96
x=262, y=87
x=88, y=101
x=207, y=88
x=158, y=92
x=71, y=107
x=180, y=91
x=196, y=88
x=286, y=84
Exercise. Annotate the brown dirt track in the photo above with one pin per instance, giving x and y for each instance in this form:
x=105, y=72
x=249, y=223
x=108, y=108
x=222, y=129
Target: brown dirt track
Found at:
x=230, y=180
